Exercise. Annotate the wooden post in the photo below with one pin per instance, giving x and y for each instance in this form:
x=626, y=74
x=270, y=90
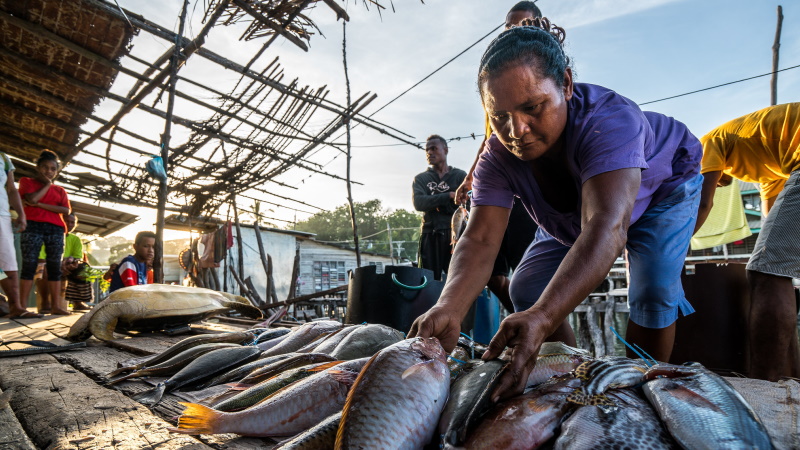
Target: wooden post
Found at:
x=239, y=244
x=272, y=294
x=773, y=84
x=347, y=126
x=263, y=255
x=609, y=322
x=595, y=332
x=163, y=187
x=583, y=337
x=295, y=273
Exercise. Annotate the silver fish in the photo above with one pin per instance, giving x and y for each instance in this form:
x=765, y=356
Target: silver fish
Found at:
x=329, y=345
x=702, y=411
x=366, y=341
x=320, y=437
x=631, y=423
x=302, y=335
x=397, y=398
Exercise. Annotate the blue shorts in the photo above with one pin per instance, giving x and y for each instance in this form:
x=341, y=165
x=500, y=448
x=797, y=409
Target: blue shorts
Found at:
x=657, y=246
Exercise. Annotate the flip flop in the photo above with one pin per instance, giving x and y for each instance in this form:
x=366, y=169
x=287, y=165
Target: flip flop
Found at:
x=63, y=313
x=27, y=315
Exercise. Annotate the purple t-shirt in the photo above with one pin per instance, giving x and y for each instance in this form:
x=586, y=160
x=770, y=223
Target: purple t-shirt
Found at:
x=605, y=131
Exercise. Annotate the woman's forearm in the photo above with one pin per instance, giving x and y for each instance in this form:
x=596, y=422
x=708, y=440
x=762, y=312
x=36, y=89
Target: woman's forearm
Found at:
x=53, y=208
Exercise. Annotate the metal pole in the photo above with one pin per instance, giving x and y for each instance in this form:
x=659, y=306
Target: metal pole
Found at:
x=773, y=84
x=163, y=188
x=391, y=248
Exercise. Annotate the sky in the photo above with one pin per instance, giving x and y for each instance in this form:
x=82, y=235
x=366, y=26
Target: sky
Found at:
x=643, y=49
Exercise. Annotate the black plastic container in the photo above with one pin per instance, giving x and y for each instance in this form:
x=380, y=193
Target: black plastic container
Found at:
x=394, y=298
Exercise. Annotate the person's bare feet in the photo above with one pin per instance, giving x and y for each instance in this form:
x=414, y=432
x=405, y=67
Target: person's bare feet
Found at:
x=60, y=312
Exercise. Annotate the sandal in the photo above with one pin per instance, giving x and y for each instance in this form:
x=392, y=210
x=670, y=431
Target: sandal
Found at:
x=60, y=313
x=27, y=315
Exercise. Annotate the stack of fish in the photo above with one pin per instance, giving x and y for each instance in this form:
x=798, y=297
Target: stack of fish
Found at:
x=324, y=385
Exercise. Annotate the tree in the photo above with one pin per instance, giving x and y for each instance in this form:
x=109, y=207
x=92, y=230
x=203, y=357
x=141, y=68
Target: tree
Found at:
x=372, y=218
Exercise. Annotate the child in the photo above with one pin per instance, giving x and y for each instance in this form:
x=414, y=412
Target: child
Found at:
x=132, y=270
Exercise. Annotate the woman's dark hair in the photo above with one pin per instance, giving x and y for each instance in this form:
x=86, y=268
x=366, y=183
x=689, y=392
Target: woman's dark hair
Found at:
x=47, y=155
x=527, y=6
x=536, y=43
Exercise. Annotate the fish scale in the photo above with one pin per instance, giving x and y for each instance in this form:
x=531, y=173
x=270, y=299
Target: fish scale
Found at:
x=397, y=398
x=702, y=411
x=631, y=422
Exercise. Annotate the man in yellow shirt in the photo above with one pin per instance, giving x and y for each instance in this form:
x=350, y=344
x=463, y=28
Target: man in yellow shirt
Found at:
x=764, y=147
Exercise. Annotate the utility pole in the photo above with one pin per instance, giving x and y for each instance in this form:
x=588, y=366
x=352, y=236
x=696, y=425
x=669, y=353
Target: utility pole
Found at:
x=163, y=187
x=773, y=84
x=347, y=125
x=391, y=247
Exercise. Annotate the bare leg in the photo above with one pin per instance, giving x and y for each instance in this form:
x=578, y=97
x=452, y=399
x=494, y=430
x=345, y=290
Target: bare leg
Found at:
x=10, y=286
x=772, y=328
x=563, y=334
x=25, y=287
x=45, y=302
x=59, y=307
x=657, y=342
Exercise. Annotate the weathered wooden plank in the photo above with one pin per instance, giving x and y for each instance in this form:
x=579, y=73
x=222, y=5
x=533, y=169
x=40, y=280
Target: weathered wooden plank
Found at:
x=62, y=408
x=145, y=345
x=95, y=361
x=11, y=433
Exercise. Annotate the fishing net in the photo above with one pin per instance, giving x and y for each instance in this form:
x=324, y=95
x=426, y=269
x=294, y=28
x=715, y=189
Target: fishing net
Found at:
x=777, y=405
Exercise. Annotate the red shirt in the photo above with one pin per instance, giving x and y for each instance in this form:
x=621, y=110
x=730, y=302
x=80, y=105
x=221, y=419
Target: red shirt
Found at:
x=55, y=196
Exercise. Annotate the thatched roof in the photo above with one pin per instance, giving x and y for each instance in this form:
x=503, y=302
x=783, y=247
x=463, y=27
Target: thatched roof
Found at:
x=56, y=58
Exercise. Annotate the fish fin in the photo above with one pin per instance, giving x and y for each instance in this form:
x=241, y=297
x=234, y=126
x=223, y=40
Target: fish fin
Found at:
x=116, y=380
x=578, y=397
x=600, y=400
x=239, y=386
x=325, y=366
x=116, y=372
x=692, y=397
x=344, y=376
x=151, y=397
x=416, y=368
x=348, y=403
x=196, y=419
x=246, y=309
x=5, y=398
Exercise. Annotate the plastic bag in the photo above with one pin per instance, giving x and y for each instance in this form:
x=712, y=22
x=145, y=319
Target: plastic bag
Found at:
x=155, y=167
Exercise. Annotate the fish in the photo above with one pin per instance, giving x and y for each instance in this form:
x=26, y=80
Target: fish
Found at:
x=268, y=344
x=302, y=335
x=458, y=223
x=319, y=437
x=290, y=411
x=174, y=364
x=470, y=398
x=457, y=362
x=702, y=410
x=271, y=333
x=317, y=341
x=475, y=349
x=205, y=366
x=366, y=341
x=330, y=344
x=528, y=420
x=560, y=348
x=237, y=373
x=555, y=364
x=397, y=398
x=298, y=360
x=264, y=389
x=152, y=307
x=238, y=337
x=601, y=375
x=631, y=423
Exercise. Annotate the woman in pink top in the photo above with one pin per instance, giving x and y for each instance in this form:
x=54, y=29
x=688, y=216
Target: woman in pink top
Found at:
x=44, y=205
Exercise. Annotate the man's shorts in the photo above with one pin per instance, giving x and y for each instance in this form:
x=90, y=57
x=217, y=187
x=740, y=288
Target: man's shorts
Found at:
x=777, y=250
x=657, y=246
x=8, y=254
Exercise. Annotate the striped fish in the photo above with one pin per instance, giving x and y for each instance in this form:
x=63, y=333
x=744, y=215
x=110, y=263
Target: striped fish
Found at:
x=601, y=375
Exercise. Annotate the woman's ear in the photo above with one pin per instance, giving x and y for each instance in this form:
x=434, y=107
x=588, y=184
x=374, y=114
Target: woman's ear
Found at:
x=568, y=83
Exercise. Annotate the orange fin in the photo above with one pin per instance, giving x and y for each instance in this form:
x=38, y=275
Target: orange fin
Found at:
x=197, y=419
x=416, y=368
x=325, y=366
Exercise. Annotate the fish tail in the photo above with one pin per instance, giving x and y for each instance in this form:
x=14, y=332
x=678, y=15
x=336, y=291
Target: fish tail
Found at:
x=197, y=419
x=116, y=372
x=116, y=380
x=151, y=397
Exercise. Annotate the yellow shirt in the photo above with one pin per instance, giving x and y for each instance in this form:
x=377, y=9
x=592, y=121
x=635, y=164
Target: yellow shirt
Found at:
x=761, y=147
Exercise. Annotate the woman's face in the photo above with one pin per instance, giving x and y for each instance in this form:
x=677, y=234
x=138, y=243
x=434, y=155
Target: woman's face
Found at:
x=48, y=169
x=528, y=112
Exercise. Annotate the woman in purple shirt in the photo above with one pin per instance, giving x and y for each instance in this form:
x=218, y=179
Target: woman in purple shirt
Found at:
x=598, y=176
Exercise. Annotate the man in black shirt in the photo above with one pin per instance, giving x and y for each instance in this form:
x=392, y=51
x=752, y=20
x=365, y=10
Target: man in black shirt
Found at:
x=434, y=191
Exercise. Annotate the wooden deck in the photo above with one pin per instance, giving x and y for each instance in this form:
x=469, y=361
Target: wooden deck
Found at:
x=58, y=400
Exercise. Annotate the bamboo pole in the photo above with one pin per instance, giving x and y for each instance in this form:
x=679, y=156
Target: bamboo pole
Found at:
x=773, y=84
x=263, y=255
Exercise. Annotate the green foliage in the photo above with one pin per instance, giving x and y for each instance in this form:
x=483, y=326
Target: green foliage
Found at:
x=372, y=218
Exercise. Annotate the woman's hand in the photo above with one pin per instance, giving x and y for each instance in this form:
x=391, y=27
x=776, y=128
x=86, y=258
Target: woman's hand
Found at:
x=523, y=333
x=441, y=323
